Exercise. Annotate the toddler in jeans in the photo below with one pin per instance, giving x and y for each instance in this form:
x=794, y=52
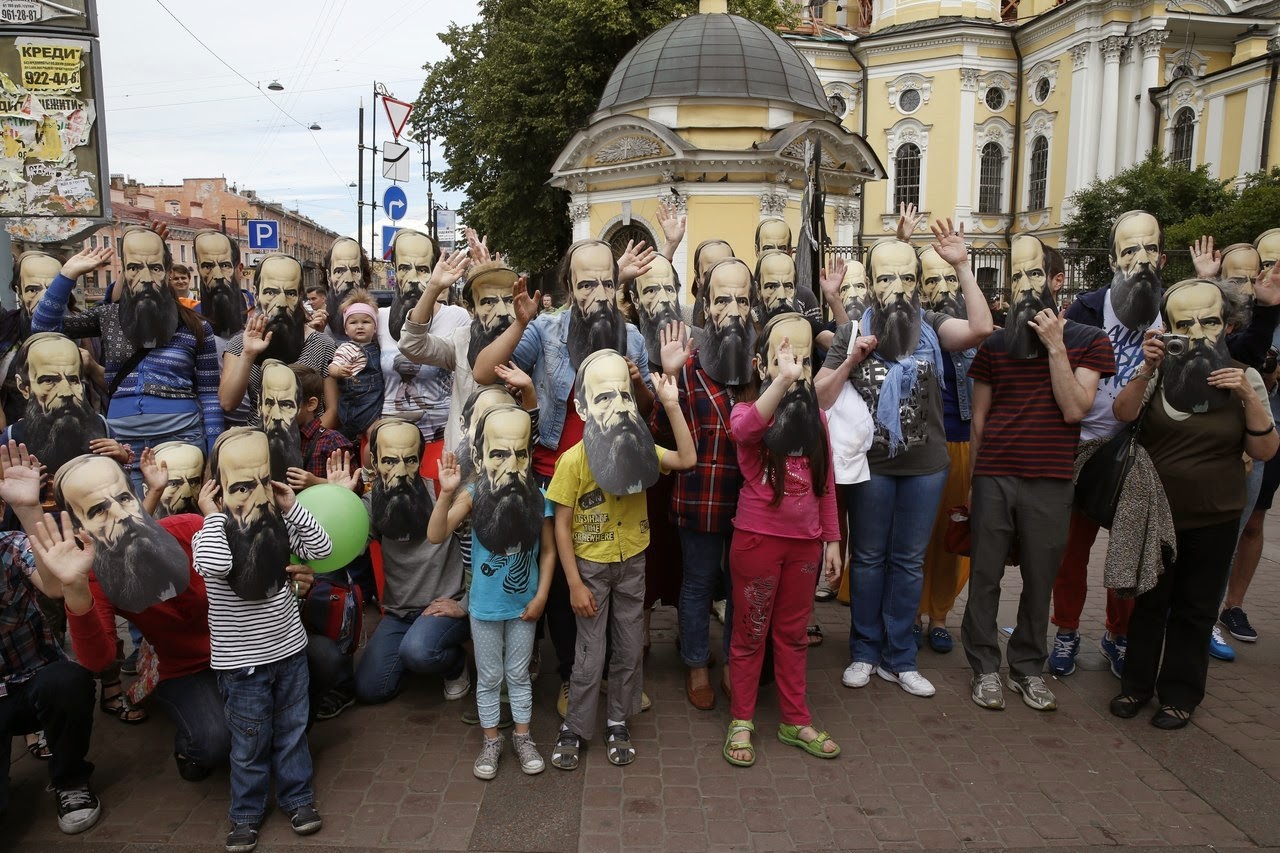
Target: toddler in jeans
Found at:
x=513, y=558
x=257, y=642
x=356, y=370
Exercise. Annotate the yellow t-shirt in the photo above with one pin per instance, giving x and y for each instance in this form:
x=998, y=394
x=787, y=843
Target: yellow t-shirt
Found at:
x=606, y=528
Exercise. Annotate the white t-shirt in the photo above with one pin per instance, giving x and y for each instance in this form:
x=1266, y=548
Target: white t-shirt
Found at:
x=1127, y=344
x=418, y=393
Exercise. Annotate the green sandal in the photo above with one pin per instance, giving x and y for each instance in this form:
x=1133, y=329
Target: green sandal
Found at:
x=790, y=735
x=730, y=746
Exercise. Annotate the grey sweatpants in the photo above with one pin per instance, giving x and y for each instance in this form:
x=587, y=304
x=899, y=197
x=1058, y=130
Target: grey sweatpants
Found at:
x=1039, y=511
x=618, y=589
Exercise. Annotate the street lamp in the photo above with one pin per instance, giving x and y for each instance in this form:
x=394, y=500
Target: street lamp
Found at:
x=315, y=125
x=275, y=86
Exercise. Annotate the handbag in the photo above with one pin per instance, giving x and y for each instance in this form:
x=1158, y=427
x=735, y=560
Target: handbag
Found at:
x=1102, y=476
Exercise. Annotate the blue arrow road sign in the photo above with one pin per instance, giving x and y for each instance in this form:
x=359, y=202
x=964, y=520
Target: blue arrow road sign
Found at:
x=264, y=235
x=388, y=231
x=395, y=203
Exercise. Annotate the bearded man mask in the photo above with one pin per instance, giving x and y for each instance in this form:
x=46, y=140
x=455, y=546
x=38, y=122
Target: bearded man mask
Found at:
x=940, y=287
x=35, y=272
x=1194, y=311
x=1137, y=254
x=508, y=507
x=657, y=303
x=488, y=291
x=620, y=450
x=148, y=310
x=1242, y=263
x=58, y=423
x=278, y=282
x=136, y=561
x=400, y=503
x=184, y=465
x=853, y=290
x=482, y=399
x=218, y=265
x=1268, y=246
x=894, y=271
x=773, y=235
x=1030, y=294
x=346, y=270
x=278, y=406
x=728, y=340
x=256, y=532
x=797, y=428
x=707, y=254
x=589, y=276
x=413, y=255
x=775, y=285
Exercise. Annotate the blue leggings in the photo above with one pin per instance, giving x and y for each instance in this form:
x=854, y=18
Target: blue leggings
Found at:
x=503, y=648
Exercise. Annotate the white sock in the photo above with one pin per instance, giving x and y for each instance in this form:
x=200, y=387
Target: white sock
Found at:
x=614, y=723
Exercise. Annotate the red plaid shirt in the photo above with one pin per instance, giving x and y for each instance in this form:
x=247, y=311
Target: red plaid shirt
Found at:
x=318, y=443
x=705, y=498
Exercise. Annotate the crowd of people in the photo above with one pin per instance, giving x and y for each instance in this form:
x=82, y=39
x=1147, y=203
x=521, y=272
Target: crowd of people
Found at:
x=528, y=470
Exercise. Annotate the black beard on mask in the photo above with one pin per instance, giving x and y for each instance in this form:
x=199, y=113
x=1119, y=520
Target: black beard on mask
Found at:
x=508, y=519
x=1185, y=381
x=1136, y=297
x=184, y=505
x=951, y=304
x=897, y=326
x=402, y=301
x=725, y=353
x=651, y=327
x=148, y=317
x=144, y=566
x=856, y=307
x=1021, y=340
x=402, y=511
x=332, y=305
x=797, y=423
x=57, y=437
x=284, y=447
x=623, y=458
x=603, y=329
x=482, y=337
x=782, y=306
x=288, y=332
x=222, y=304
x=259, y=554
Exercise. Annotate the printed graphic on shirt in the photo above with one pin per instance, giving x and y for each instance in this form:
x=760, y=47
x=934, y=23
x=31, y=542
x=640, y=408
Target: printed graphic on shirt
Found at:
x=589, y=526
x=515, y=568
x=868, y=379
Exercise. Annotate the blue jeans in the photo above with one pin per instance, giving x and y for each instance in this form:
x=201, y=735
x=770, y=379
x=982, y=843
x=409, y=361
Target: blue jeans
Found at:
x=503, y=650
x=266, y=710
x=890, y=522
x=195, y=706
x=428, y=645
x=704, y=563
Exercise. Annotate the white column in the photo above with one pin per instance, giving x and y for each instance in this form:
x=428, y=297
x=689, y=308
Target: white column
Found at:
x=1212, y=119
x=1078, y=128
x=1127, y=118
x=580, y=215
x=1111, y=48
x=1150, y=43
x=1251, y=140
x=965, y=143
x=848, y=212
x=1091, y=117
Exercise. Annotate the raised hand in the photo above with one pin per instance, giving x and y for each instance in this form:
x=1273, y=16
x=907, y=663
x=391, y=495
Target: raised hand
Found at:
x=949, y=242
x=285, y=499
x=1204, y=258
x=635, y=261
x=908, y=220
x=675, y=347
x=525, y=306
x=448, y=270
x=668, y=390
x=789, y=368
x=672, y=223
x=256, y=337
x=19, y=476
x=449, y=476
x=87, y=260
x=207, y=500
x=338, y=470
x=832, y=277
x=155, y=473
x=478, y=247
x=1266, y=289
x=68, y=558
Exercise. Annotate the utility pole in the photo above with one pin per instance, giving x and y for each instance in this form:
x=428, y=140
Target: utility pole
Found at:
x=359, y=180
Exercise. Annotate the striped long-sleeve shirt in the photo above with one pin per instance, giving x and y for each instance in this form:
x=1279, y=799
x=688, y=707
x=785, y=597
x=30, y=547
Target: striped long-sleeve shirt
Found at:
x=253, y=633
x=182, y=368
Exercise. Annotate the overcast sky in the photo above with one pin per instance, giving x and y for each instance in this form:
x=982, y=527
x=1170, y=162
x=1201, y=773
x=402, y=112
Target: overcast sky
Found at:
x=174, y=111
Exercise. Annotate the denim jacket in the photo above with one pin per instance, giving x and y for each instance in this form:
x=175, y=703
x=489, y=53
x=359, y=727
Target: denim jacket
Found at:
x=964, y=385
x=543, y=353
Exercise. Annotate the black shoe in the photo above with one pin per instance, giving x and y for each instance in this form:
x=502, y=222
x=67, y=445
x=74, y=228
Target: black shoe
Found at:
x=130, y=664
x=1127, y=707
x=565, y=753
x=305, y=820
x=334, y=703
x=78, y=809
x=242, y=838
x=1170, y=718
x=189, y=770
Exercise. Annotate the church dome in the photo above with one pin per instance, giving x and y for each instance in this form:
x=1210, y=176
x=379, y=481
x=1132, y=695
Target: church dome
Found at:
x=715, y=56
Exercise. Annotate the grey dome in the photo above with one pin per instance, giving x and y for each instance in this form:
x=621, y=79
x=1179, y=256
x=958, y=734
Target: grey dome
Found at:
x=715, y=56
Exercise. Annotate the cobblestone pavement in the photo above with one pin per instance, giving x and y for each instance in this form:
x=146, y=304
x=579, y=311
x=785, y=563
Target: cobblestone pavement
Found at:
x=915, y=773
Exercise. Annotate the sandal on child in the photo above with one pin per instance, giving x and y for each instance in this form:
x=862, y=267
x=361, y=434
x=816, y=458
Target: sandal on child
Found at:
x=814, y=635
x=39, y=748
x=1170, y=717
x=731, y=746
x=790, y=735
x=564, y=755
x=618, y=740
x=119, y=707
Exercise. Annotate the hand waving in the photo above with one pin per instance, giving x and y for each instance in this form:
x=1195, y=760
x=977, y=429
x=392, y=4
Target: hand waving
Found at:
x=19, y=476
x=949, y=242
x=65, y=556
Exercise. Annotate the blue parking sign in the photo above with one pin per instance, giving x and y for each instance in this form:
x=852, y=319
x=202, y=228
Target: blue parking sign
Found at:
x=264, y=235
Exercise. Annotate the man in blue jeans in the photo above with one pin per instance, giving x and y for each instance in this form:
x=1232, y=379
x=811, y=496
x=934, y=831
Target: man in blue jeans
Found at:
x=424, y=622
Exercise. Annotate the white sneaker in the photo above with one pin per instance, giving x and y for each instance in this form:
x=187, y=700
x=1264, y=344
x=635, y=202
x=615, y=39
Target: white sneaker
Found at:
x=910, y=681
x=717, y=607
x=457, y=688
x=857, y=674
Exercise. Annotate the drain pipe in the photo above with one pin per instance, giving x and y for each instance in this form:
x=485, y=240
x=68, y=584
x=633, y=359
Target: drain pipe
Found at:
x=1265, y=162
x=1015, y=165
x=862, y=190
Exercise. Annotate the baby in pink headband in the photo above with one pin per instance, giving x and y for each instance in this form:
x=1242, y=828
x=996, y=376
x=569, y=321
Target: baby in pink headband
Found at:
x=357, y=370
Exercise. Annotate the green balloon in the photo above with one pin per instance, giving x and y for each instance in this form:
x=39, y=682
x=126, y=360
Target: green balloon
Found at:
x=342, y=515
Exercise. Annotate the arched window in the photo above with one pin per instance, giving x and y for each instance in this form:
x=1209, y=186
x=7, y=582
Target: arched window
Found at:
x=1184, y=128
x=1039, y=173
x=906, y=175
x=991, y=178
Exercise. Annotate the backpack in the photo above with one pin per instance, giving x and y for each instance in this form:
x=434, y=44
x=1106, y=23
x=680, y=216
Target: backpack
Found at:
x=335, y=610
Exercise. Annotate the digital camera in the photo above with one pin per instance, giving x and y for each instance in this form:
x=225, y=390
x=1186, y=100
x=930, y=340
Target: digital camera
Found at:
x=1175, y=344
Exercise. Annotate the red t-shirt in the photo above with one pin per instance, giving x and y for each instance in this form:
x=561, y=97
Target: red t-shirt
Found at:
x=544, y=458
x=1025, y=434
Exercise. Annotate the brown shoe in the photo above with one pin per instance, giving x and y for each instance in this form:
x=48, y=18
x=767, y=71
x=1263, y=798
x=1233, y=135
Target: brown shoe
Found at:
x=703, y=698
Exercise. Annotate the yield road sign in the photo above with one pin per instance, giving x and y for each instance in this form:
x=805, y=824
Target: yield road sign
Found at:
x=397, y=114
x=395, y=203
x=395, y=161
x=264, y=235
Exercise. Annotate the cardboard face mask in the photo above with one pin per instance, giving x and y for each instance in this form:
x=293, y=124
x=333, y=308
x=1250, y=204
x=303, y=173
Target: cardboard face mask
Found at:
x=773, y=235
x=797, y=422
x=278, y=407
x=508, y=507
x=728, y=339
x=1241, y=262
x=1195, y=309
x=489, y=292
x=58, y=423
x=853, y=290
x=940, y=287
x=148, y=312
x=775, y=285
x=279, y=288
x=1136, y=258
x=1268, y=246
x=185, y=465
x=619, y=445
x=35, y=271
x=217, y=264
x=705, y=256
x=401, y=503
x=657, y=301
x=414, y=257
x=481, y=401
x=136, y=561
x=594, y=320
x=256, y=533
x=894, y=272
x=1030, y=294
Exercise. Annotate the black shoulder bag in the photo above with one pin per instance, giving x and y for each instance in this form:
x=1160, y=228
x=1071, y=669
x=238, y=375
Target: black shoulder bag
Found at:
x=130, y=365
x=1103, y=475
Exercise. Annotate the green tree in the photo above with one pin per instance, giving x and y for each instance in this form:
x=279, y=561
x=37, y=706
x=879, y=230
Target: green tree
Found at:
x=517, y=85
x=1248, y=214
